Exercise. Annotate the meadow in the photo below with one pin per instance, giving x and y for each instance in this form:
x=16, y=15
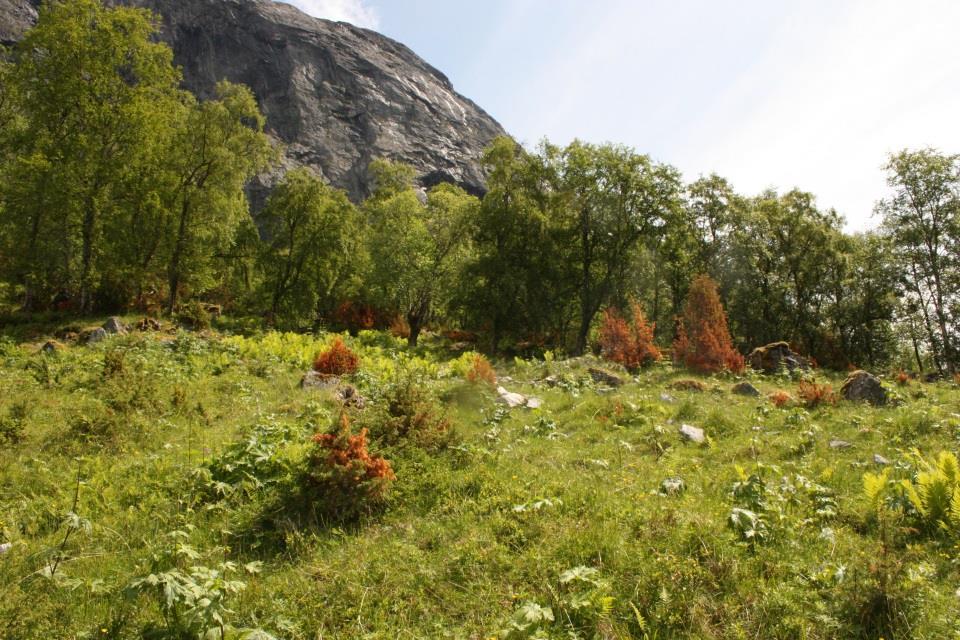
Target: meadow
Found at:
x=163, y=484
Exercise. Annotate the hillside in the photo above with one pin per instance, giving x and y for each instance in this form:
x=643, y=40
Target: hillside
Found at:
x=152, y=480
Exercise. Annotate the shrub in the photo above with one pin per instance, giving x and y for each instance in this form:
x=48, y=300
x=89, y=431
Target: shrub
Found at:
x=411, y=416
x=814, y=394
x=703, y=341
x=780, y=399
x=481, y=371
x=194, y=315
x=336, y=360
x=903, y=378
x=628, y=344
x=399, y=328
x=350, y=480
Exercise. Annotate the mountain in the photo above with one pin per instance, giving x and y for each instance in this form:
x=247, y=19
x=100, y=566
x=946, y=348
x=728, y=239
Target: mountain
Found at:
x=335, y=95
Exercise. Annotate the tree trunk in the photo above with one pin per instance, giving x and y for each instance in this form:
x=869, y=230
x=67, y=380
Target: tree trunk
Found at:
x=86, y=256
x=174, y=269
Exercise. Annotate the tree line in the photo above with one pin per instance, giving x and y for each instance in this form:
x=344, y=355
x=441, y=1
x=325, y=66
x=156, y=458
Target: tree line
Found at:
x=120, y=189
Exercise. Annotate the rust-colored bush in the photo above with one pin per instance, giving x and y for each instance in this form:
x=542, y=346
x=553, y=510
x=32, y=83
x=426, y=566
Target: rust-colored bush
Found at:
x=630, y=344
x=780, y=399
x=349, y=479
x=703, y=341
x=814, y=394
x=481, y=371
x=903, y=378
x=399, y=328
x=688, y=385
x=337, y=360
x=355, y=317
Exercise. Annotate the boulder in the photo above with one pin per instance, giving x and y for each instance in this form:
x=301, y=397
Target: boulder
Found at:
x=771, y=357
x=880, y=460
x=95, y=336
x=316, y=380
x=745, y=389
x=688, y=385
x=691, y=433
x=605, y=377
x=512, y=399
x=114, y=326
x=861, y=386
x=840, y=444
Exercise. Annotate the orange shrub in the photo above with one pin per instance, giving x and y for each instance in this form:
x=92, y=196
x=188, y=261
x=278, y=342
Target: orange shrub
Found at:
x=350, y=480
x=481, y=371
x=814, y=394
x=628, y=344
x=337, y=360
x=355, y=317
x=780, y=398
x=399, y=328
x=703, y=341
x=903, y=378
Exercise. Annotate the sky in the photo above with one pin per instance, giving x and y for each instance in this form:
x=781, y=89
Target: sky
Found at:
x=811, y=95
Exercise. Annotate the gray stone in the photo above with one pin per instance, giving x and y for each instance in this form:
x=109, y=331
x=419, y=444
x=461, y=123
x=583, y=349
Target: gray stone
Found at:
x=745, y=389
x=114, y=326
x=96, y=335
x=350, y=397
x=861, y=386
x=52, y=346
x=840, y=444
x=693, y=434
x=605, y=377
x=334, y=94
x=513, y=400
x=316, y=380
x=672, y=486
x=6, y=546
x=880, y=460
x=666, y=397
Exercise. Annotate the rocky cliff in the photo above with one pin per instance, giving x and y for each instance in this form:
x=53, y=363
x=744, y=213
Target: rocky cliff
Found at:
x=336, y=95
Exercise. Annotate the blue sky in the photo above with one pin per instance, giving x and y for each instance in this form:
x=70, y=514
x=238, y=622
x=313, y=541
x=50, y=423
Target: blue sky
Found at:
x=809, y=94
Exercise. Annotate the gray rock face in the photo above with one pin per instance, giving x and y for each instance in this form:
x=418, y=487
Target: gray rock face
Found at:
x=114, y=325
x=605, y=377
x=336, y=95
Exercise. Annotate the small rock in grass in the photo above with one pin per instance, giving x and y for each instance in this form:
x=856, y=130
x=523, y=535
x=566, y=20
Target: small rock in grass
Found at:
x=510, y=398
x=350, y=397
x=6, y=546
x=672, y=486
x=95, y=336
x=605, y=377
x=840, y=444
x=114, y=325
x=52, y=347
x=691, y=433
x=316, y=380
x=746, y=389
x=880, y=460
x=689, y=385
x=534, y=403
x=666, y=397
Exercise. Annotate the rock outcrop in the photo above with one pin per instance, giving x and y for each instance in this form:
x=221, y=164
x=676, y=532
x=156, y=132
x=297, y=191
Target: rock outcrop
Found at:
x=337, y=96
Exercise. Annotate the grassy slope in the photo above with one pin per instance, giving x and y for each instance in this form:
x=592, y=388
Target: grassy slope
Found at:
x=476, y=532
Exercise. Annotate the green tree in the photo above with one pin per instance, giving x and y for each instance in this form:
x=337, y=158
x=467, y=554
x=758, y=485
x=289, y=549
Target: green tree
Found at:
x=92, y=85
x=310, y=255
x=218, y=146
x=612, y=197
x=416, y=248
x=922, y=218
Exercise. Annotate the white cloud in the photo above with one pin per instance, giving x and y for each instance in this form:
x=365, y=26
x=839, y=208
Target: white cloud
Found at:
x=353, y=11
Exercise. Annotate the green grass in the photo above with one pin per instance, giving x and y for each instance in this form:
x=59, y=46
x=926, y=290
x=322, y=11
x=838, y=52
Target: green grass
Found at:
x=477, y=539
